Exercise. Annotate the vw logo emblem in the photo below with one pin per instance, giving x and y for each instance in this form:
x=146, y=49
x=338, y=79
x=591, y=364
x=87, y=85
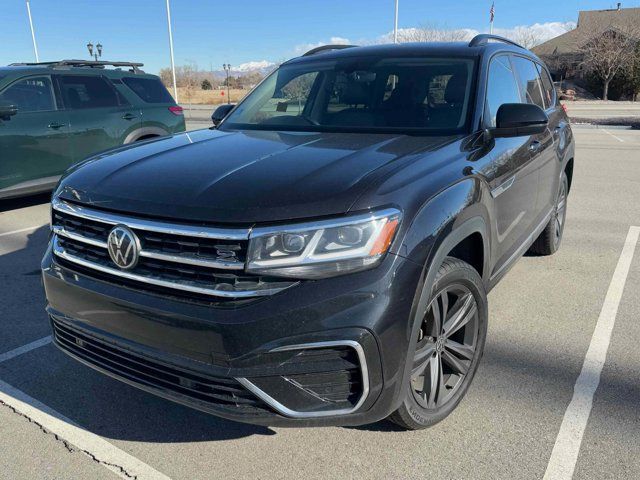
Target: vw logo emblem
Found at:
x=123, y=246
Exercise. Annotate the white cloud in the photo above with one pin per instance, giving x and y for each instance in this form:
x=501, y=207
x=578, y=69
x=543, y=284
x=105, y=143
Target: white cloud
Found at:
x=527, y=35
x=252, y=66
x=305, y=47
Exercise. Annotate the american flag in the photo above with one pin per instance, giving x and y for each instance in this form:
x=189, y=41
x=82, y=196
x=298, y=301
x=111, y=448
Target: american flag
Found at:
x=492, y=12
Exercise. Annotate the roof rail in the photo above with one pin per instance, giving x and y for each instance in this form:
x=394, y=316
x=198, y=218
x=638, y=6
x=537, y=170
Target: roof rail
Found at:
x=326, y=48
x=483, y=39
x=82, y=63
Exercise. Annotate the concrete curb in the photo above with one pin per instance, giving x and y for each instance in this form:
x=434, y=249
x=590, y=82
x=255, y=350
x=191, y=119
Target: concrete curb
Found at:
x=591, y=126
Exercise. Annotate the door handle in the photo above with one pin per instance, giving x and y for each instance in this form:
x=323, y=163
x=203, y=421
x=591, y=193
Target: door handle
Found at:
x=129, y=116
x=56, y=126
x=534, y=146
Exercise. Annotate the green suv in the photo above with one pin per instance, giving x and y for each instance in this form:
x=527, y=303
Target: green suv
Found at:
x=55, y=114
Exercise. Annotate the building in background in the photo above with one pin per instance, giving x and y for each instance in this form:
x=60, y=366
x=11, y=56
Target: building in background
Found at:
x=600, y=37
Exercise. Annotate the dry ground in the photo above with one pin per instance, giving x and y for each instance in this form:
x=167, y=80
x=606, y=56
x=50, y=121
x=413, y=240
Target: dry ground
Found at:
x=207, y=97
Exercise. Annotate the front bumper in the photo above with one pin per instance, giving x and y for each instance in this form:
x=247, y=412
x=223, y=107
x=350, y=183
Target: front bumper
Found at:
x=327, y=352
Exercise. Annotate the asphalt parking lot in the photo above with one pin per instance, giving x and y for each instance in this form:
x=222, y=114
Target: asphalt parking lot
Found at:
x=59, y=419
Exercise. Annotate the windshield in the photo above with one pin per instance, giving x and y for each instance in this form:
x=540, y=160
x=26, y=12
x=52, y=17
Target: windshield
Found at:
x=413, y=95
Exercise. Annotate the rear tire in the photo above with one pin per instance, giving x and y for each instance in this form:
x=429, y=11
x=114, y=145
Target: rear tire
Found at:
x=549, y=240
x=449, y=345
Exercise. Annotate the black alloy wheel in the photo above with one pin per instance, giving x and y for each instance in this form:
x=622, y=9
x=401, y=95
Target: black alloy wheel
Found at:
x=559, y=214
x=447, y=343
x=447, y=348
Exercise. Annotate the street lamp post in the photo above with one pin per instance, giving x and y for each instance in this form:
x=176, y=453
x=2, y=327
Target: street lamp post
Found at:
x=173, y=64
x=33, y=34
x=395, y=24
x=98, y=51
x=227, y=69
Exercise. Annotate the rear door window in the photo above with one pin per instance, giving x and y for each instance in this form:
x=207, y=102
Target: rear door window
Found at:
x=149, y=90
x=547, y=87
x=529, y=81
x=33, y=94
x=82, y=92
x=501, y=88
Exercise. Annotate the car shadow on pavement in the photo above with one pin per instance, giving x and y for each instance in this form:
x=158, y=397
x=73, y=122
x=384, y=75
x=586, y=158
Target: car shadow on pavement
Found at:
x=96, y=402
x=23, y=202
x=22, y=302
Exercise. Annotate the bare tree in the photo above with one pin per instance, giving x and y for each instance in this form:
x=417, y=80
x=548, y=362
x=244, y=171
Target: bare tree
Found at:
x=525, y=36
x=166, y=77
x=188, y=79
x=609, y=51
x=433, y=33
x=559, y=64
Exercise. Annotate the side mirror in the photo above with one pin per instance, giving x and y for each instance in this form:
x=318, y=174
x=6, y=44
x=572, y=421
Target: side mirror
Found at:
x=221, y=112
x=519, y=119
x=7, y=111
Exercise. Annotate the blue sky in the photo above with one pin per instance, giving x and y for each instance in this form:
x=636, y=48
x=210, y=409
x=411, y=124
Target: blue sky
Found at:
x=211, y=32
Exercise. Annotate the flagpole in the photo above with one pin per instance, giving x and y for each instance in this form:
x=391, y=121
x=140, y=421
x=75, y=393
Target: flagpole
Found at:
x=173, y=65
x=33, y=35
x=395, y=25
x=492, y=13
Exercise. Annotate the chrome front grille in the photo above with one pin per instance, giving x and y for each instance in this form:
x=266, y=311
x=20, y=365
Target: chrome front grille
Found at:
x=183, y=258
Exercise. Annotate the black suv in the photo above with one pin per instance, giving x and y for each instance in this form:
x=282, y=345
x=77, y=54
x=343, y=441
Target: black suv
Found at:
x=324, y=255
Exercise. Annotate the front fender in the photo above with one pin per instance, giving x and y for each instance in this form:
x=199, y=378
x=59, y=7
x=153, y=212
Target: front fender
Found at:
x=446, y=219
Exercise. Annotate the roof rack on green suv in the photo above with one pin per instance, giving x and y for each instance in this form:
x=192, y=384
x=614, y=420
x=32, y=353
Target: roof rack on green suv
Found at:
x=82, y=63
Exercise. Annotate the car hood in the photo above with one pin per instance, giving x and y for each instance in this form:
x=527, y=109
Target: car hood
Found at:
x=240, y=176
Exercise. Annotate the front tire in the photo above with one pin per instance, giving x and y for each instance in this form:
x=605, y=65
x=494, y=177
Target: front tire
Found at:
x=449, y=345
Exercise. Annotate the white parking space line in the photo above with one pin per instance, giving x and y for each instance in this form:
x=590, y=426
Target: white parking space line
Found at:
x=614, y=136
x=22, y=230
x=116, y=460
x=24, y=349
x=110, y=456
x=567, y=447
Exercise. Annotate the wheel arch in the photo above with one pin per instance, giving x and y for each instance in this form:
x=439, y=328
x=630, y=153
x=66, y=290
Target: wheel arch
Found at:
x=568, y=169
x=144, y=133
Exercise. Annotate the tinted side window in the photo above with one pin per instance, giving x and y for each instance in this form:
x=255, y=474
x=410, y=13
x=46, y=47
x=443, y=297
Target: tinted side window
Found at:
x=149, y=90
x=87, y=92
x=501, y=88
x=547, y=87
x=32, y=94
x=530, y=84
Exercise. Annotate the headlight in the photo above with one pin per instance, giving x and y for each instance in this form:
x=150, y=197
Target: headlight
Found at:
x=322, y=249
